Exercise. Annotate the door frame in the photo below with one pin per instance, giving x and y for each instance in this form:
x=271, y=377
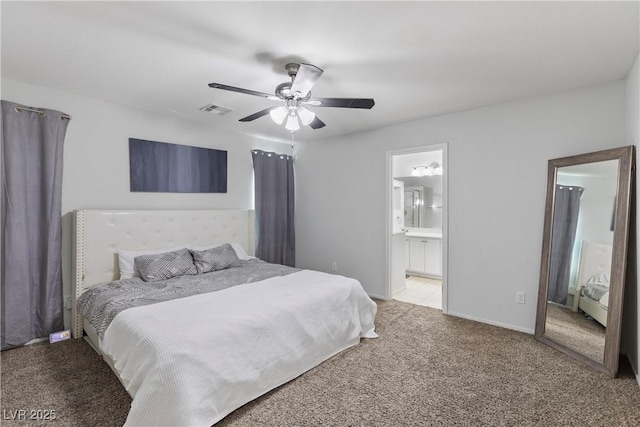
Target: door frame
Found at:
x=445, y=215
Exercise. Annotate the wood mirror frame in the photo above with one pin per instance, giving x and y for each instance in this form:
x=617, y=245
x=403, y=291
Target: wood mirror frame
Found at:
x=626, y=167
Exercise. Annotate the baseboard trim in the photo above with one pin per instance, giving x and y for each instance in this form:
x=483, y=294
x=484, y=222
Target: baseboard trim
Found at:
x=376, y=296
x=491, y=322
x=36, y=340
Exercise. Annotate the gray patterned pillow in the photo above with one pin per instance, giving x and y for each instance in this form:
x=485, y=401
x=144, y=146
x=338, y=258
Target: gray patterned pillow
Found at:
x=215, y=259
x=157, y=267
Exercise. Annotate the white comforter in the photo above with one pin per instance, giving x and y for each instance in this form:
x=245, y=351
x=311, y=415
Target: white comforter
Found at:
x=192, y=361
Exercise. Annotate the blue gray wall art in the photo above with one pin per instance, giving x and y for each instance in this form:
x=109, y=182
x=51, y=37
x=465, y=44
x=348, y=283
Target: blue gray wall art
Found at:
x=160, y=167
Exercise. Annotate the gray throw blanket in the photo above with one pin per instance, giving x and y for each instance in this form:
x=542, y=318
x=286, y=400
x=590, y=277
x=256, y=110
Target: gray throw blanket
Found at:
x=101, y=303
x=595, y=291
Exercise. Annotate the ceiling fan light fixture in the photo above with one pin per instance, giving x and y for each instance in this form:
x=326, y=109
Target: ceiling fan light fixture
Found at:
x=294, y=94
x=278, y=114
x=292, y=123
x=306, y=116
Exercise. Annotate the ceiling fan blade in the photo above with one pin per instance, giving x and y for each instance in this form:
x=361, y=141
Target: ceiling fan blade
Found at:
x=366, y=103
x=306, y=77
x=241, y=90
x=317, y=123
x=257, y=115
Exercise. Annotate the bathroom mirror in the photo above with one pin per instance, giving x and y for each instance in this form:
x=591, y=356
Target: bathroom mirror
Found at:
x=584, y=256
x=413, y=206
x=422, y=201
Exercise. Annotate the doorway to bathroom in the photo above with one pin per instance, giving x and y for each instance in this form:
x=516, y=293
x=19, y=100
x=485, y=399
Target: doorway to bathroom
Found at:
x=417, y=226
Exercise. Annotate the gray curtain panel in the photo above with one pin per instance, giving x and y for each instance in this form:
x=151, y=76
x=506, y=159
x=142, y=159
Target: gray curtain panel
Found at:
x=274, y=188
x=565, y=224
x=31, y=302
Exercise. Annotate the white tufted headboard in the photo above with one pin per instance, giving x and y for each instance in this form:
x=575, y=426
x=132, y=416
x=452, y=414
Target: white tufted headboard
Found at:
x=595, y=258
x=99, y=234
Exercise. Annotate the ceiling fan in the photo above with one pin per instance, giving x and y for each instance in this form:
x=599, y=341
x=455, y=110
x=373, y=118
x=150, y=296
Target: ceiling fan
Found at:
x=295, y=95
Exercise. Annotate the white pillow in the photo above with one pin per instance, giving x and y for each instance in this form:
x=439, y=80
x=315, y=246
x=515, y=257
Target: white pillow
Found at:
x=127, y=264
x=240, y=252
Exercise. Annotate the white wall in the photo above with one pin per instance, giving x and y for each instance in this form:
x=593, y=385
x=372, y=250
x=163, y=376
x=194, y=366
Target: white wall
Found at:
x=631, y=321
x=96, y=157
x=497, y=176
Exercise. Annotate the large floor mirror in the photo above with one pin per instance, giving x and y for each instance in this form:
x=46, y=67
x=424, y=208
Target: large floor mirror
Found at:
x=584, y=256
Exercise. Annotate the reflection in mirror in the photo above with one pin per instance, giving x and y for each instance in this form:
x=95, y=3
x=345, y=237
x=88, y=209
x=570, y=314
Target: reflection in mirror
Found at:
x=413, y=202
x=422, y=201
x=421, y=176
x=581, y=250
x=584, y=254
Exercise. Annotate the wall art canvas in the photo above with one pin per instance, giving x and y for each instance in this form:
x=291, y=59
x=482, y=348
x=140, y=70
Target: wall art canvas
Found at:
x=171, y=168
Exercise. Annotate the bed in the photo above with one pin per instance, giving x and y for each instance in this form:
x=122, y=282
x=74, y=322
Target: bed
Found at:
x=193, y=359
x=592, y=286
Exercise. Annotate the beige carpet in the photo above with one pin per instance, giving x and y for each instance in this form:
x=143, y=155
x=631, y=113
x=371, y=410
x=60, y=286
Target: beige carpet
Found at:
x=576, y=331
x=424, y=369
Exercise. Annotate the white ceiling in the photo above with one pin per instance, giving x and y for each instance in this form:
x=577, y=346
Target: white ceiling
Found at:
x=416, y=59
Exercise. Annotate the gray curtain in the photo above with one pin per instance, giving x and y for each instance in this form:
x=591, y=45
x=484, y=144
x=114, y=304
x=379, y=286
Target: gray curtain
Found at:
x=565, y=224
x=274, y=190
x=31, y=300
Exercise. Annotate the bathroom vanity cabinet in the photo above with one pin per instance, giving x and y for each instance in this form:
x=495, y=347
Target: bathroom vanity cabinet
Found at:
x=423, y=255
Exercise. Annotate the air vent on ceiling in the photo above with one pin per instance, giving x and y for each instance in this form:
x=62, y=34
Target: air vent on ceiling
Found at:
x=216, y=109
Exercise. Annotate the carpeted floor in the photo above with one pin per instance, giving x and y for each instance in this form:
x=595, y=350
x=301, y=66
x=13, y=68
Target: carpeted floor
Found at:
x=424, y=369
x=576, y=331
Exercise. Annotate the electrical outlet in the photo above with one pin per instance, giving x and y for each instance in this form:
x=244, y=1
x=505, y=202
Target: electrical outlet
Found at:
x=520, y=297
x=334, y=266
x=67, y=302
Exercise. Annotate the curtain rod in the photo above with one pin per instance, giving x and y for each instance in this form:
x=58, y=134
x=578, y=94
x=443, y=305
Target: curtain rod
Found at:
x=270, y=153
x=42, y=113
